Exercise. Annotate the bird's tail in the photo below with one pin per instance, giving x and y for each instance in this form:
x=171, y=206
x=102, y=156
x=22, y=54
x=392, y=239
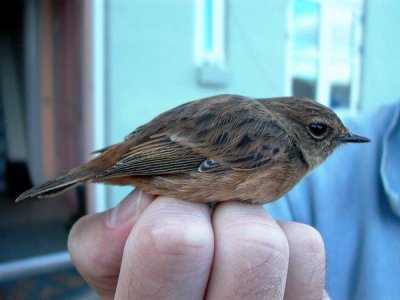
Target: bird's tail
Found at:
x=56, y=185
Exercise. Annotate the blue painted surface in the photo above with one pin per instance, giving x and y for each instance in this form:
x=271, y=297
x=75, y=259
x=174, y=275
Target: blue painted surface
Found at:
x=150, y=60
x=150, y=57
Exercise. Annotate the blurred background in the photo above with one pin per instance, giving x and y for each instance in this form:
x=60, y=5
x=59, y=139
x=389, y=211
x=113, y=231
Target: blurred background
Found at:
x=77, y=75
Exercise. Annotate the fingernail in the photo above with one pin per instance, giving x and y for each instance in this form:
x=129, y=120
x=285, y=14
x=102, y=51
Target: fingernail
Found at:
x=125, y=210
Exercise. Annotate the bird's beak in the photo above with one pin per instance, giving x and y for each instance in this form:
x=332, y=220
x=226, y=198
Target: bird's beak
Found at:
x=353, y=138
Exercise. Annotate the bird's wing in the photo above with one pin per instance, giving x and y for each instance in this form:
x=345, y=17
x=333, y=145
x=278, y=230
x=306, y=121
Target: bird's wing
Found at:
x=155, y=156
x=242, y=137
x=207, y=136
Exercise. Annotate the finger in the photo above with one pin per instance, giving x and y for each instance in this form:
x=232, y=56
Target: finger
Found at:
x=96, y=242
x=169, y=252
x=307, y=269
x=251, y=254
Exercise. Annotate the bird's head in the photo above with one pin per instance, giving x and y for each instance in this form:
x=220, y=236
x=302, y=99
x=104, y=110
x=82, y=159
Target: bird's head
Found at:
x=316, y=129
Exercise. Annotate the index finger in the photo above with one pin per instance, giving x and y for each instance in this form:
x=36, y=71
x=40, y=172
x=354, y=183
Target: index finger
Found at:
x=169, y=252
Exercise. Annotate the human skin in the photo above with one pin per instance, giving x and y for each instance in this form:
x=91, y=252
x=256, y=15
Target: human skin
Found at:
x=167, y=248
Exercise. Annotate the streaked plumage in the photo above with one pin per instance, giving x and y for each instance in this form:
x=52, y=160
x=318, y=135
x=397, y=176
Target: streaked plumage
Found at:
x=215, y=149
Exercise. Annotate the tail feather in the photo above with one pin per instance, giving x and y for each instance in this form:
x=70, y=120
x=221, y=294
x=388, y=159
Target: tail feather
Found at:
x=53, y=186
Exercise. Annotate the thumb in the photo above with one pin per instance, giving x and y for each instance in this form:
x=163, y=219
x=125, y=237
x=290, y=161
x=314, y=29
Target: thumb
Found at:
x=96, y=242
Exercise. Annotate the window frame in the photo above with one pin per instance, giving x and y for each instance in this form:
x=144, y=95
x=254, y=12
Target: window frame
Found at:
x=323, y=82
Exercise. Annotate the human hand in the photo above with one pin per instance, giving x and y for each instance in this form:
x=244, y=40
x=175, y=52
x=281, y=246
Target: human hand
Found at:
x=167, y=248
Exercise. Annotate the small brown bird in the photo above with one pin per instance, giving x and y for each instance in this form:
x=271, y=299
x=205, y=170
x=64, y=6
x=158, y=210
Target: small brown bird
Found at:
x=218, y=148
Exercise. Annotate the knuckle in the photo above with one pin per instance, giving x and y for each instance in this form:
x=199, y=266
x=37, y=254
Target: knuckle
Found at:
x=176, y=237
x=267, y=242
x=261, y=260
x=312, y=240
x=307, y=255
x=169, y=248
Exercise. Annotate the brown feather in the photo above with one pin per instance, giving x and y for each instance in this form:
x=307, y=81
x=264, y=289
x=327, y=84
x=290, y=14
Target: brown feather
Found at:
x=214, y=149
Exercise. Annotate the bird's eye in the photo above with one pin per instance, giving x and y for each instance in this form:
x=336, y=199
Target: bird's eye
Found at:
x=318, y=130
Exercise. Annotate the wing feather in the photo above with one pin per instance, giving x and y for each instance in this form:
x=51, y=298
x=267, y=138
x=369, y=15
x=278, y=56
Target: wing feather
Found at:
x=243, y=137
x=155, y=157
x=209, y=135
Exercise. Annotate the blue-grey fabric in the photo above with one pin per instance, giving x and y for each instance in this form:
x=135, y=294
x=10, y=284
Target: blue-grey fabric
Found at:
x=353, y=201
